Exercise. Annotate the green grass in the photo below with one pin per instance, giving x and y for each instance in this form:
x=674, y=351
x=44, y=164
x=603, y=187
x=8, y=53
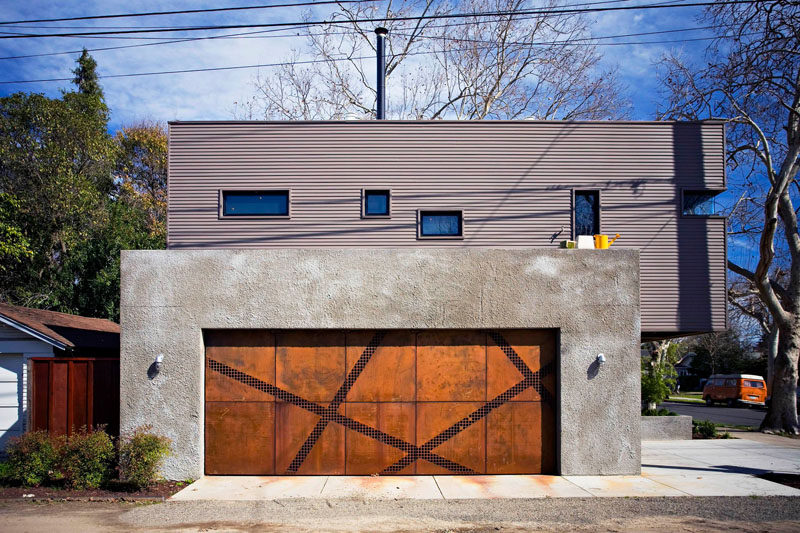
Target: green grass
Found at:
x=688, y=395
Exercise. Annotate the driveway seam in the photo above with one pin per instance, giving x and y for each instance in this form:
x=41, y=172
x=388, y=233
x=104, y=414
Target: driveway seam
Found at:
x=589, y=494
x=438, y=487
x=324, y=484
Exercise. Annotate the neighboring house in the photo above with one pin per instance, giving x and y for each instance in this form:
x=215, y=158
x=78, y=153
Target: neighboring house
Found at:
x=65, y=347
x=389, y=296
x=684, y=366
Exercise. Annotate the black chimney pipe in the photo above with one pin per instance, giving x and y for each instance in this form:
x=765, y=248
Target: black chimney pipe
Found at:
x=380, y=104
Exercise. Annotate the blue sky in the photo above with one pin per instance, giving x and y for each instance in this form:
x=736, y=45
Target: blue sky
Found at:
x=212, y=95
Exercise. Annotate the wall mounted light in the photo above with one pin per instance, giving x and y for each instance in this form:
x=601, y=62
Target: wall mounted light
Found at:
x=159, y=362
x=601, y=359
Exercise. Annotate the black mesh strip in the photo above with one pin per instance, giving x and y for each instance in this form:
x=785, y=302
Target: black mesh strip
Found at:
x=534, y=377
x=348, y=423
x=338, y=398
x=459, y=426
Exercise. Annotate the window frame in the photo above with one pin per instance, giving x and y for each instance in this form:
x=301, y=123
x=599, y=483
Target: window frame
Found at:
x=684, y=190
x=364, y=192
x=221, y=204
x=574, y=192
x=459, y=212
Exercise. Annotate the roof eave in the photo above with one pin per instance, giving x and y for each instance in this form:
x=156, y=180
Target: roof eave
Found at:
x=33, y=333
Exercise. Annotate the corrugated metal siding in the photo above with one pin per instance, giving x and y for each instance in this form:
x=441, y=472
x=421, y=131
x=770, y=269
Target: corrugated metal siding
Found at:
x=512, y=179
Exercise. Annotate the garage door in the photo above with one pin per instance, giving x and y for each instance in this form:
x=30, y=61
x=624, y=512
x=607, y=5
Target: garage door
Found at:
x=379, y=402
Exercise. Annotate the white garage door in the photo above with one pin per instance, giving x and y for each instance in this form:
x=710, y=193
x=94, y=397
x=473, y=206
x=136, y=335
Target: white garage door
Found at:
x=10, y=397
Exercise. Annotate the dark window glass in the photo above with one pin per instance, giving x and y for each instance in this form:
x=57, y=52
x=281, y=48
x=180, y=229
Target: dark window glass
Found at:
x=255, y=203
x=440, y=223
x=587, y=212
x=376, y=203
x=754, y=384
x=699, y=203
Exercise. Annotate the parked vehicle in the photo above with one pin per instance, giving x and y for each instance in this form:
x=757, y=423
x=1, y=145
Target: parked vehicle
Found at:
x=734, y=389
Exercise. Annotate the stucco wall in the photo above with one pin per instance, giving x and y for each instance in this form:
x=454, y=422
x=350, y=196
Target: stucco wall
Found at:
x=592, y=297
x=667, y=427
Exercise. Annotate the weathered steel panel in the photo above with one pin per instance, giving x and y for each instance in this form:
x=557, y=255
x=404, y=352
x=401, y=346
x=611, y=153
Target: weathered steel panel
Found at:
x=382, y=435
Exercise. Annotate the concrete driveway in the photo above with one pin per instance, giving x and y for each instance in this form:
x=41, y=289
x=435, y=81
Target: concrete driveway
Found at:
x=669, y=468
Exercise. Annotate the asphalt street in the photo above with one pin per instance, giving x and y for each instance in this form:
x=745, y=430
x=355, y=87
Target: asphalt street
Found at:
x=740, y=416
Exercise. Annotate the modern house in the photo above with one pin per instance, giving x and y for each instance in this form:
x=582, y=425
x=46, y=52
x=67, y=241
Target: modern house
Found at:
x=390, y=297
x=57, y=371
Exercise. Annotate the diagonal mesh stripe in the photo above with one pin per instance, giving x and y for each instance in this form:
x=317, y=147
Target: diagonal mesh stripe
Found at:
x=534, y=377
x=347, y=422
x=338, y=398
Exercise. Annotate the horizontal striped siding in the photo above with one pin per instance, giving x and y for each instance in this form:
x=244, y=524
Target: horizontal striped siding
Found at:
x=512, y=179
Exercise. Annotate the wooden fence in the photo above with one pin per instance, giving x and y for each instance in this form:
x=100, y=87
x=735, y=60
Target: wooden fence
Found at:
x=69, y=393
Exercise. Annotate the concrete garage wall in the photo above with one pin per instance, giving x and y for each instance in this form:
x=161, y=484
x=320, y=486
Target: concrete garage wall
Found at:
x=592, y=297
x=667, y=427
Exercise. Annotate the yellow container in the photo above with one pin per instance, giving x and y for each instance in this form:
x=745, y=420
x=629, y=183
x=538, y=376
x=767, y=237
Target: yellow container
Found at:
x=601, y=242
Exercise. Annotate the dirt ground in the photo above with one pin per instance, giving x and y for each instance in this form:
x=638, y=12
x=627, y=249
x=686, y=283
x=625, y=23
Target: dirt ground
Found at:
x=625, y=515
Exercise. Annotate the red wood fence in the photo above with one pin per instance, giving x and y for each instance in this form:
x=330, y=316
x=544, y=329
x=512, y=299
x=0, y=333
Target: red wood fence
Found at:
x=69, y=393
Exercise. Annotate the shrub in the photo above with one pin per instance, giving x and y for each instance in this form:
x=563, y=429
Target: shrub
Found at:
x=32, y=458
x=141, y=455
x=658, y=412
x=657, y=382
x=87, y=458
x=704, y=429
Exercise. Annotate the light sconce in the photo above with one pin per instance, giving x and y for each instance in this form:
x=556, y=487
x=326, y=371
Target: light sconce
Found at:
x=159, y=362
x=601, y=359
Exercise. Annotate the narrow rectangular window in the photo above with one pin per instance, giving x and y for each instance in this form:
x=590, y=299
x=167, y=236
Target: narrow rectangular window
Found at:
x=587, y=212
x=376, y=203
x=699, y=203
x=441, y=224
x=255, y=203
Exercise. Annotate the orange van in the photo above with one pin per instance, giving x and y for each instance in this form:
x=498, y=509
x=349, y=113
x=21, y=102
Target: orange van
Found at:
x=734, y=389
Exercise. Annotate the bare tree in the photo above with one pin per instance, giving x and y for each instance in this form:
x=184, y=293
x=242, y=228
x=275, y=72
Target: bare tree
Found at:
x=751, y=79
x=480, y=67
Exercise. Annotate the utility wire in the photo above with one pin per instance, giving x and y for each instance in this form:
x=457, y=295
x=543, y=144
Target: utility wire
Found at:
x=308, y=62
x=186, y=11
x=421, y=36
x=25, y=23
x=404, y=18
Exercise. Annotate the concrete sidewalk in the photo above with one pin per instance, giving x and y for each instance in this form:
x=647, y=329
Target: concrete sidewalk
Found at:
x=669, y=468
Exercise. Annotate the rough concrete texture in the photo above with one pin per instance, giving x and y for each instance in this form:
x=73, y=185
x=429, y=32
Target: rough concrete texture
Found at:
x=666, y=427
x=169, y=296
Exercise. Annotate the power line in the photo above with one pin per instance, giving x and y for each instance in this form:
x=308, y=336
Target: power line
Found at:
x=26, y=24
x=259, y=35
x=311, y=61
x=405, y=18
x=186, y=11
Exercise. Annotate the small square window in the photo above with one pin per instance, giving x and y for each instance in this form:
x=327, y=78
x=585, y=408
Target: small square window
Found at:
x=255, y=203
x=448, y=224
x=376, y=203
x=700, y=203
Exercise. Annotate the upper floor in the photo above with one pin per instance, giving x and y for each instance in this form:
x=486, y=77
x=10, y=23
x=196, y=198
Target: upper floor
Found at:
x=443, y=183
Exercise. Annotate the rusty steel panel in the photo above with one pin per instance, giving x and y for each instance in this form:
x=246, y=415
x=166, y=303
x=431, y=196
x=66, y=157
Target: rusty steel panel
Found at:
x=513, y=180
x=535, y=347
x=383, y=435
x=390, y=375
x=451, y=366
x=240, y=438
x=251, y=351
x=310, y=364
x=520, y=439
x=467, y=447
x=294, y=432
x=367, y=455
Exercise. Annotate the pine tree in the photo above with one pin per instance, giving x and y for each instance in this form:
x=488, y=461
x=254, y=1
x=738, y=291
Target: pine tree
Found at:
x=86, y=75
